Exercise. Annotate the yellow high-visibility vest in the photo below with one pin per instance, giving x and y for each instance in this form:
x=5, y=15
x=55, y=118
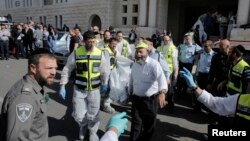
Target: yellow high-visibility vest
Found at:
x=234, y=84
x=168, y=55
x=87, y=68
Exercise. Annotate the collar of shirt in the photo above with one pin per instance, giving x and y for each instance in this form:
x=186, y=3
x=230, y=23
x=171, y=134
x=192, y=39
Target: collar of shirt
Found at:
x=210, y=53
x=146, y=61
x=35, y=84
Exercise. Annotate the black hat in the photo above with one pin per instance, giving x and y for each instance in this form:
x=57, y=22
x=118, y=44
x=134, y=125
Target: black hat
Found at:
x=240, y=49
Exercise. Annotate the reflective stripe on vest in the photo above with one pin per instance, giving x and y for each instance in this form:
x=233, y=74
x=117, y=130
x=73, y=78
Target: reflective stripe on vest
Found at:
x=111, y=56
x=234, y=85
x=87, y=68
x=124, y=48
x=243, y=106
x=168, y=56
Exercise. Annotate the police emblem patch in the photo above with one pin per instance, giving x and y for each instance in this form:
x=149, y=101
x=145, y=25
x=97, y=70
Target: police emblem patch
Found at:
x=23, y=111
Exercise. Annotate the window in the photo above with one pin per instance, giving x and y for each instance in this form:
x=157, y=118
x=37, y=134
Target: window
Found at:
x=134, y=21
x=48, y=2
x=135, y=8
x=41, y=19
x=56, y=21
x=56, y=1
x=124, y=8
x=124, y=20
x=44, y=20
x=60, y=20
x=17, y=3
x=27, y=19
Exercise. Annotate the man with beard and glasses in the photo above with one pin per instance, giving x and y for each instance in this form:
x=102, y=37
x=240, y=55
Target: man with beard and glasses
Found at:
x=105, y=42
x=24, y=112
x=149, y=87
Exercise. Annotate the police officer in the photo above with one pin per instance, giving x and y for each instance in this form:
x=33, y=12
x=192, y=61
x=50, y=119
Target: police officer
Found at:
x=110, y=52
x=91, y=73
x=170, y=54
x=236, y=105
x=187, y=53
x=235, y=80
x=24, y=109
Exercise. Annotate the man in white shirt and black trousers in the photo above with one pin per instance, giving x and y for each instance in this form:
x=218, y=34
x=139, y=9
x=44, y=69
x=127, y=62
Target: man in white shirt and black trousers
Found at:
x=149, y=86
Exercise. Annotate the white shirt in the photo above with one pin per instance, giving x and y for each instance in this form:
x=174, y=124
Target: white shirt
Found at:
x=71, y=65
x=120, y=45
x=225, y=106
x=109, y=136
x=147, y=79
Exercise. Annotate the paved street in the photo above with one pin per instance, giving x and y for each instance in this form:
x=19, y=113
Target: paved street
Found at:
x=183, y=125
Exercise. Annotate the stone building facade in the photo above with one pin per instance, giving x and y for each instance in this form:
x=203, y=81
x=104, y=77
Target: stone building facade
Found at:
x=122, y=14
x=146, y=16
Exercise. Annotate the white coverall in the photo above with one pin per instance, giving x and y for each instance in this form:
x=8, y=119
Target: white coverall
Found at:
x=86, y=104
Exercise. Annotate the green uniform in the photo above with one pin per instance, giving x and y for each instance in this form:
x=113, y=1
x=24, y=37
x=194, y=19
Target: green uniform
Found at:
x=24, y=112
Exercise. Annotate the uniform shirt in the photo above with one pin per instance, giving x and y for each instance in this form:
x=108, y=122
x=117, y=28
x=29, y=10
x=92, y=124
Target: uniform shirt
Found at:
x=174, y=56
x=160, y=58
x=71, y=65
x=147, y=79
x=25, y=109
x=187, y=52
x=204, y=62
x=120, y=46
x=225, y=106
x=109, y=136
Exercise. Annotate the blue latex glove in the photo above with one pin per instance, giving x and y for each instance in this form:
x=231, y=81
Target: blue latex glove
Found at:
x=119, y=122
x=62, y=92
x=188, y=77
x=104, y=89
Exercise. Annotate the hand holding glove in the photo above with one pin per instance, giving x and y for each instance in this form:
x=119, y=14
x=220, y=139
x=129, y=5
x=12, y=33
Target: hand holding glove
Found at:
x=119, y=122
x=188, y=77
x=62, y=92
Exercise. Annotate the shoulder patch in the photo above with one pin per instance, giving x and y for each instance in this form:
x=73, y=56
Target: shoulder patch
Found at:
x=27, y=88
x=23, y=111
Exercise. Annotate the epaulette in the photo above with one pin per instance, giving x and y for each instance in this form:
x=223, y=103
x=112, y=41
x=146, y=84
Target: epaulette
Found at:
x=27, y=89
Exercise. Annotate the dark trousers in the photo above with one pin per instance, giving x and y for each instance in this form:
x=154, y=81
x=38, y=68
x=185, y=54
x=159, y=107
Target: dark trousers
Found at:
x=144, y=112
x=202, y=80
x=19, y=48
x=28, y=47
x=4, y=45
x=181, y=83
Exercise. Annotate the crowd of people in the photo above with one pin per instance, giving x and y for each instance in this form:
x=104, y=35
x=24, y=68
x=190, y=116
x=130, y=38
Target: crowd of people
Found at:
x=160, y=71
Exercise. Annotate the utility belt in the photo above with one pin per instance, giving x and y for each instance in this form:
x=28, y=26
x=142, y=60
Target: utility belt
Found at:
x=145, y=97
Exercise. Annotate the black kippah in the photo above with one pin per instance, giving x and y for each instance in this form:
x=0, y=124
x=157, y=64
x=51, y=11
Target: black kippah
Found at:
x=40, y=51
x=240, y=48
